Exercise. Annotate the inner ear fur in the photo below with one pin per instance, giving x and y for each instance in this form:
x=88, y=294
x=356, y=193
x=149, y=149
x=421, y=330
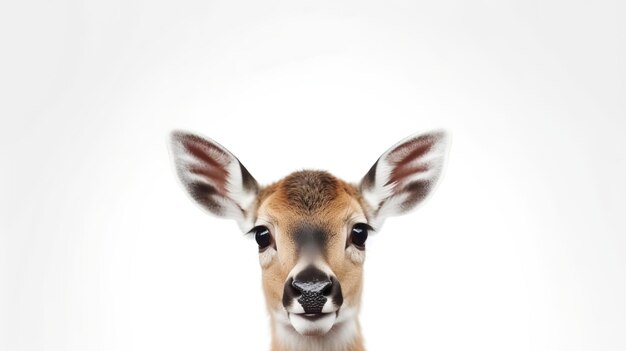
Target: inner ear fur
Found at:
x=214, y=177
x=404, y=175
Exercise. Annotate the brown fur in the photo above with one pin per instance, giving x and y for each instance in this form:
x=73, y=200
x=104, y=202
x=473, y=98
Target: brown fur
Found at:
x=311, y=197
x=309, y=191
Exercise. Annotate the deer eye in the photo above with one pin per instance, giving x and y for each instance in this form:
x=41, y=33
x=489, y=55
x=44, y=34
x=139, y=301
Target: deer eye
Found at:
x=262, y=236
x=358, y=235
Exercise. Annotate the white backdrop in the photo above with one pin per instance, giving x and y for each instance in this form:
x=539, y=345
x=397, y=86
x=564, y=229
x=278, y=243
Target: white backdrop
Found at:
x=522, y=247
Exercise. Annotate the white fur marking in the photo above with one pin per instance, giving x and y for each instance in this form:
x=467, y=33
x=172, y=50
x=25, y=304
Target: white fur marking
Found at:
x=356, y=255
x=266, y=257
x=343, y=332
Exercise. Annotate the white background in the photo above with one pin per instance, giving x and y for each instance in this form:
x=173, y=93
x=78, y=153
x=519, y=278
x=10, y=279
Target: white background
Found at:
x=522, y=247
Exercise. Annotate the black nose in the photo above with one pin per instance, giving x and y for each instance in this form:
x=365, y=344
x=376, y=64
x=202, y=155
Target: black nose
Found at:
x=312, y=288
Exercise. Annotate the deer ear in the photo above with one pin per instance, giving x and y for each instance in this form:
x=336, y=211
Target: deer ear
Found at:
x=404, y=175
x=215, y=178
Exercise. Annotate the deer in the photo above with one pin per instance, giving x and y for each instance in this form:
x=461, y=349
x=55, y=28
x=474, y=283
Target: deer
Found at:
x=311, y=229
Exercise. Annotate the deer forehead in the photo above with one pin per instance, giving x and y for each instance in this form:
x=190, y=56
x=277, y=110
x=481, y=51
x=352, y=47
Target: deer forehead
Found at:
x=311, y=208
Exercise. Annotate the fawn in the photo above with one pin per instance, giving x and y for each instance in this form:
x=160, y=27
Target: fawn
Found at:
x=311, y=229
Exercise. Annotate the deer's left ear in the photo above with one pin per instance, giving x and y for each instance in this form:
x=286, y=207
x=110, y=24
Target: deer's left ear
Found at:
x=215, y=178
x=404, y=175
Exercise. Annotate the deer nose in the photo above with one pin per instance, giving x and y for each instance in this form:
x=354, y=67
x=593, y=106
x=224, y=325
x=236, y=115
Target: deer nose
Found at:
x=312, y=288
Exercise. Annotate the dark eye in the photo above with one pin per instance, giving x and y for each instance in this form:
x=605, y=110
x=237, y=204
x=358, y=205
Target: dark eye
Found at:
x=262, y=236
x=358, y=236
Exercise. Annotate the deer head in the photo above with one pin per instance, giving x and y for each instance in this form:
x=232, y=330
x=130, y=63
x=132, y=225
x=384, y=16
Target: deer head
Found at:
x=311, y=229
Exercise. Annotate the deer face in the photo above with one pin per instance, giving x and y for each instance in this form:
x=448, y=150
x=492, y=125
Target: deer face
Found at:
x=311, y=227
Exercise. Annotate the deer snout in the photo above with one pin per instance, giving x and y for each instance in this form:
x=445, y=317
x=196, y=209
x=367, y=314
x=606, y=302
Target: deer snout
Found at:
x=312, y=292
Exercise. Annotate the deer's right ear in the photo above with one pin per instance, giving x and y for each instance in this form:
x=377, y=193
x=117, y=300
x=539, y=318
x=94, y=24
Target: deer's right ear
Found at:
x=215, y=178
